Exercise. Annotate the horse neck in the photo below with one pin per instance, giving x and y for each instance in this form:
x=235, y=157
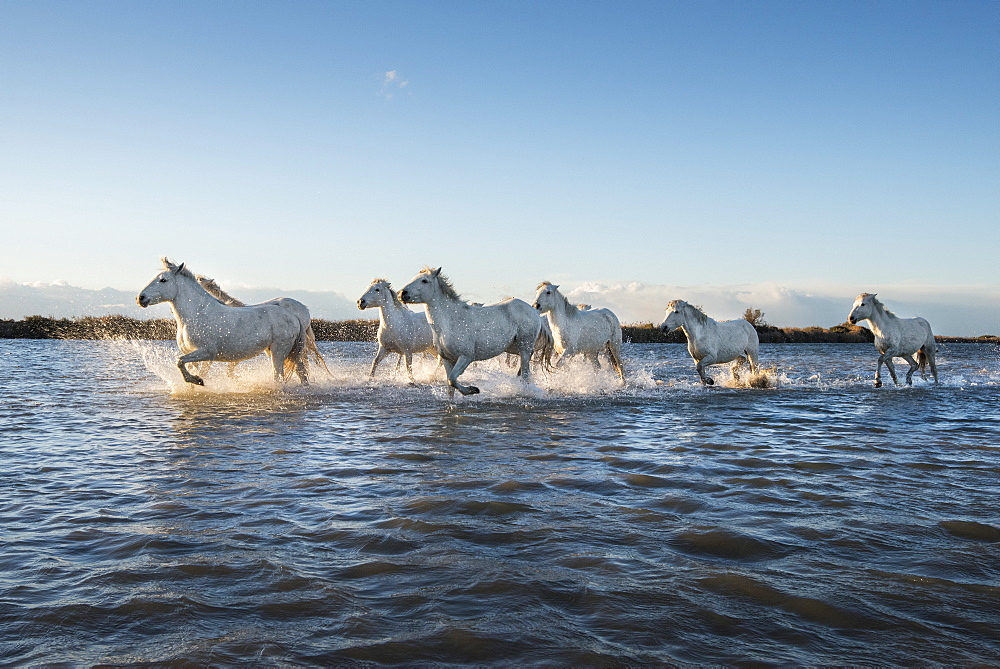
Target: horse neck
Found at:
x=392, y=311
x=562, y=311
x=192, y=300
x=695, y=327
x=441, y=307
x=880, y=319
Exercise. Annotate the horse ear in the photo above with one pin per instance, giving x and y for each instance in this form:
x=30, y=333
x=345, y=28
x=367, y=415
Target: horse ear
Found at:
x=180, y=268
x=554, y=287
x=436, y=272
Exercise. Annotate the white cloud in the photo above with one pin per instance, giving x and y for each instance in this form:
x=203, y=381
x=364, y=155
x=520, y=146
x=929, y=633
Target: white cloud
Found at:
x=392, y=82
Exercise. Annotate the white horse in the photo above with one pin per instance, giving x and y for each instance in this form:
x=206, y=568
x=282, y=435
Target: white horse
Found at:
x=399, y=330
x=711, y=342
x=300, y=310
x=580, y=331
x=896, y=337
x=464, y=333
x=209, y=330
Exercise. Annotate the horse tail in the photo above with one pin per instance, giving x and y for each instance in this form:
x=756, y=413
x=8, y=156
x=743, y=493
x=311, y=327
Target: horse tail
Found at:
x=297, y=356
x=615, y=359
x=922, y=359
x=545, y=347
x=312, y=348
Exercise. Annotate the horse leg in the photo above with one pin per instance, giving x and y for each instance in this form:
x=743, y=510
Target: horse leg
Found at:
x=930, y=355
x=379, y=357
x=735, y=368
x=300, y=367
x=701, y=372
x=279, y=354
x=885, y=358
x=592, y=356
x=913, y=367
x=455, y=371
x=615, y=353
x=409, y=366
x=197, y=355
x=526, y=349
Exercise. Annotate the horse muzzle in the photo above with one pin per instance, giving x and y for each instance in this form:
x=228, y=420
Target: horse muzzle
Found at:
x=362, y=304
x=404, y=296
x=852, y=320
x=142, y=301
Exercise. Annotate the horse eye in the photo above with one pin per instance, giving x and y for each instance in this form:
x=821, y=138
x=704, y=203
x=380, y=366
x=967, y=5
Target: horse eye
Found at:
x=423, y=281
x=378, y=290
x=163, y=280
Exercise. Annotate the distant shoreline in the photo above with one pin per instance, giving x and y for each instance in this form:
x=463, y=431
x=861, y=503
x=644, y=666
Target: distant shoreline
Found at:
x=123, y=327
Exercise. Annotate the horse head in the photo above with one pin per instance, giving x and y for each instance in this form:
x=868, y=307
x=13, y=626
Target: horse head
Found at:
x=379, y=294
x=422, y=287
x=546, y=297
x=864, y=307
x=163, y=287
x=674, y=316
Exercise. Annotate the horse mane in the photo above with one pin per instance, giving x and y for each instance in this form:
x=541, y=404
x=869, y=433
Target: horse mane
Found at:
x=445, y=283
x=877, y=304
x=690, y=310
x=388, y=286
x=180, y=270
x=213, y=289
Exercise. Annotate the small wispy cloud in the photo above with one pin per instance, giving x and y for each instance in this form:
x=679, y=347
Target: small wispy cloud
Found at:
x=392, y=82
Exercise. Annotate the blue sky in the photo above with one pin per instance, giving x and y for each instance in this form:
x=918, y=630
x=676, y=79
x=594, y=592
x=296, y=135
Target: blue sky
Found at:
x=822, y=148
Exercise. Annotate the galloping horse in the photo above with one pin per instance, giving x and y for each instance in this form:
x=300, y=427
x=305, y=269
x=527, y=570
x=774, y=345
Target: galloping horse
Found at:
x=209, y=330
x=896, y=337
x=711, y=342
x=399, y=330
x=464, y=333
x=580, y=331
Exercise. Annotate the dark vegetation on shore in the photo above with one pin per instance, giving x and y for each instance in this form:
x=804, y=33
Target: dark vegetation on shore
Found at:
x=123, y=327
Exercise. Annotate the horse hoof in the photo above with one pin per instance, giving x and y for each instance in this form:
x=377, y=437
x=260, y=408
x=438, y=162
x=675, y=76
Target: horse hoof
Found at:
x=473, y=391
x=709, y=382
x=196, y=380
x=878, y=384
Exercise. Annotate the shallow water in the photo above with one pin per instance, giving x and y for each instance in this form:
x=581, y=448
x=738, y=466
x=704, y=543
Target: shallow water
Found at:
x=819, y=521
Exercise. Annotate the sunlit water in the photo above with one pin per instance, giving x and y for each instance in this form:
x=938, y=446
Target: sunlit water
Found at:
x=819, y=521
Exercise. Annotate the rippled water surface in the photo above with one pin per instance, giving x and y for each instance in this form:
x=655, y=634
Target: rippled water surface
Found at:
x=574, y=522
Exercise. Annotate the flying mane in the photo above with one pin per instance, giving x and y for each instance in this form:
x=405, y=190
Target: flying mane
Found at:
x=388, y=286
x=181, y=269
x=213, y=289
x=689, y=309
x=445, y=283
x=878, y=305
